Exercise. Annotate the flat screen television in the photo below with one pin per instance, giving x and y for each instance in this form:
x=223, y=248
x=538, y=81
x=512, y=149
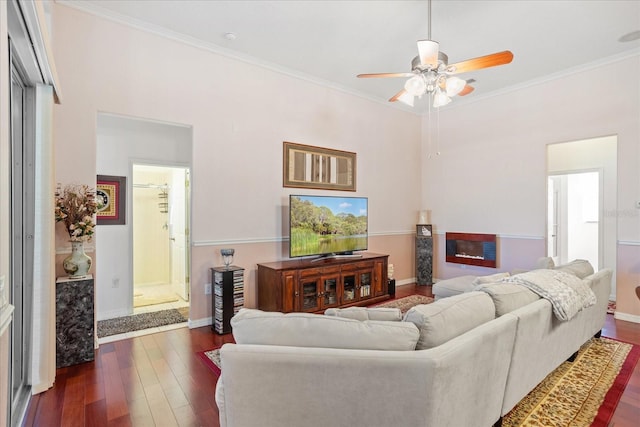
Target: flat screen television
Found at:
x=327, y=225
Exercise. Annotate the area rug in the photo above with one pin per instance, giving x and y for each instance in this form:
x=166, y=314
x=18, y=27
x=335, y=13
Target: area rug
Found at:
x=137, y=322
x=211, y=358
x=580, y=393
x=405, y=303
x=583, y=393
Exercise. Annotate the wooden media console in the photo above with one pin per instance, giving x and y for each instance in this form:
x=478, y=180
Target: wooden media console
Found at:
x=310, y=285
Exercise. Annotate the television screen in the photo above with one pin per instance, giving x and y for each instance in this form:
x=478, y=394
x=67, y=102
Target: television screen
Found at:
x=327, y=225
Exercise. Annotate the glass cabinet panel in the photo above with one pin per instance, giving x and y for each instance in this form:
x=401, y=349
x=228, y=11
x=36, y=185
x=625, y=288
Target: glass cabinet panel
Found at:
x=330, y=292
x=310, y=295
x=365, y=284
x=349, y=288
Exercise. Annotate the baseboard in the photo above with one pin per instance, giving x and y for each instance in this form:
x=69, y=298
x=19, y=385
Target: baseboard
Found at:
x=404, y=282
x=626, y=317
x=112, y=314
x=199, y=323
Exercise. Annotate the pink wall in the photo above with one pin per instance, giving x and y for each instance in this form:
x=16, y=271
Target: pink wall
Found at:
x=399, y=247
x=491, y=174
x=237, y=195
x=628, y=274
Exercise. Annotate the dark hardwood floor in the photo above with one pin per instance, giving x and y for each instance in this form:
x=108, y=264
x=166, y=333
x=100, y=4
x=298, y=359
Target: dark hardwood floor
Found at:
x=158, y=380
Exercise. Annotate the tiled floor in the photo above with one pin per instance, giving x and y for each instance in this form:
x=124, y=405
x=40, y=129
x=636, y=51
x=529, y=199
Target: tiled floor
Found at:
x=149, y=291
x=156, y=290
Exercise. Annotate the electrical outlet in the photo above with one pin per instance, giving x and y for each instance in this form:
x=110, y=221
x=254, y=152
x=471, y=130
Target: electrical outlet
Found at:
x=207, y=288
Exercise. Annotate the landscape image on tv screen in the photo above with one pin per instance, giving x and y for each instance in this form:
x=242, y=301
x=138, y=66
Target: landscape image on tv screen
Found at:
x=321, y=225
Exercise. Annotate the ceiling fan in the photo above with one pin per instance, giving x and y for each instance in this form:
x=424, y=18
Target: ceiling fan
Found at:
x=432, y=74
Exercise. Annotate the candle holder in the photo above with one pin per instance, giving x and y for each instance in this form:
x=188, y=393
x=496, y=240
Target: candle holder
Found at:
x=227, y=256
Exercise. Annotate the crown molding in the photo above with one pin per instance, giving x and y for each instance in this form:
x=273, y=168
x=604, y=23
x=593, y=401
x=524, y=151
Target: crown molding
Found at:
x=213, y=48
x=545, y=79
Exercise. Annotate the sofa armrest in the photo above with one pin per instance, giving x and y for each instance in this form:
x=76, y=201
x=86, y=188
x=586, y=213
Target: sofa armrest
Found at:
x=274, y=386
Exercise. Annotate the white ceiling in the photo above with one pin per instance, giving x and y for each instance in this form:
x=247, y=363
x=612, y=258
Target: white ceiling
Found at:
x=332, y=41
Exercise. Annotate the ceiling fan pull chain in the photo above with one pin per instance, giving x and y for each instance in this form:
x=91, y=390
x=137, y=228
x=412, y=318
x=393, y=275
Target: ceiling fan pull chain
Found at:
x=429, y=27
x=438, y=133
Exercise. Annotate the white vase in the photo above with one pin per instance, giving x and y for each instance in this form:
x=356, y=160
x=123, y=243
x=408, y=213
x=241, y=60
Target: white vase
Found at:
x=78, y=263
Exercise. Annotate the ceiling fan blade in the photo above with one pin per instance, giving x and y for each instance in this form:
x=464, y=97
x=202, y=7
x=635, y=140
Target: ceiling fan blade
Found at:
x=377, y=75
x=428, y=50
x=499, y=58
x=467, y=90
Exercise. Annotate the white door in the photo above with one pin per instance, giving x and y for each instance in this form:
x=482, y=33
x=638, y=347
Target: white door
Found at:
x=179, y=236
x=574, y=227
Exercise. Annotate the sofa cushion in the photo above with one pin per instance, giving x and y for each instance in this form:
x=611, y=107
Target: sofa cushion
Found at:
x=492, y=278
x=447, y=318
x=454, y=286
x=578, y=267
x=313, y=330
x=363, y=313
x=508, y=296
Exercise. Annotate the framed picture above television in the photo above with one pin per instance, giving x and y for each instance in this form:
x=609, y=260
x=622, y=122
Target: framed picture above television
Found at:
x=305, y=166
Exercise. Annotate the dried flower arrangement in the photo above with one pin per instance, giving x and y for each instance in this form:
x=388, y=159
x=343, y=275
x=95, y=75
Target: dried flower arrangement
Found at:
x=75, y=206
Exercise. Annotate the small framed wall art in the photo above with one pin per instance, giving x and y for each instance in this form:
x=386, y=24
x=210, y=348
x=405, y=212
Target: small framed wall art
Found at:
x=111, y=198
x=305, y=166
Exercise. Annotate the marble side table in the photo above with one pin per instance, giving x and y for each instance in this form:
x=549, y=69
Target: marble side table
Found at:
x=424, y=254
x=74, y=321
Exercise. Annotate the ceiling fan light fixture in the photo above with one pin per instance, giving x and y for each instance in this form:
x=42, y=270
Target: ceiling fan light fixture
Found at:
x=454, y=85
x=440, y=98
x=416, y=85
x=406, y=98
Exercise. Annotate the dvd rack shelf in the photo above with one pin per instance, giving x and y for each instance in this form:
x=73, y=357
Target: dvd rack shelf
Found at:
x=228, y=296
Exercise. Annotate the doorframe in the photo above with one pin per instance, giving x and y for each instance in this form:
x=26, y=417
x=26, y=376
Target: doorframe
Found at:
x=167, y=164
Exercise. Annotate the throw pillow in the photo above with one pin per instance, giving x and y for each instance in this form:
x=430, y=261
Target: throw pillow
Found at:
x=449, y=317
x=363, y=313
x=252, y=326
x=578, y=267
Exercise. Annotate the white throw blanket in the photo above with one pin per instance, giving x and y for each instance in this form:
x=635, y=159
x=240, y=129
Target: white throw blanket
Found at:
x=567, y=293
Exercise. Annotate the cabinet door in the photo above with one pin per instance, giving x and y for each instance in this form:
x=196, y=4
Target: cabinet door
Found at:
x=365, y=284
x=290, y=292
x=310, y=289
x=349, y=287
x=329, y=292
x=379, y=275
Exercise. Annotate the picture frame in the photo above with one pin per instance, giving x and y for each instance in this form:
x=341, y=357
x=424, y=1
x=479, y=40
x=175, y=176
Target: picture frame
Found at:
x=111, y=198
x=306, y=166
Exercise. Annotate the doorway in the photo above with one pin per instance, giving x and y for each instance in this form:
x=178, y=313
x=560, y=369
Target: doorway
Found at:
x=574, y=225
x=582, y=194
x=160, y=211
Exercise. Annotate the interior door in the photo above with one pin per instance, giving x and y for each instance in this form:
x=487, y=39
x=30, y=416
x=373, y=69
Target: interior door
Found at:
x=179, y=237
x=574, y=217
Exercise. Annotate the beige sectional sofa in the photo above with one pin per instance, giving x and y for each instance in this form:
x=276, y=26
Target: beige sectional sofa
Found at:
x=477, y=354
